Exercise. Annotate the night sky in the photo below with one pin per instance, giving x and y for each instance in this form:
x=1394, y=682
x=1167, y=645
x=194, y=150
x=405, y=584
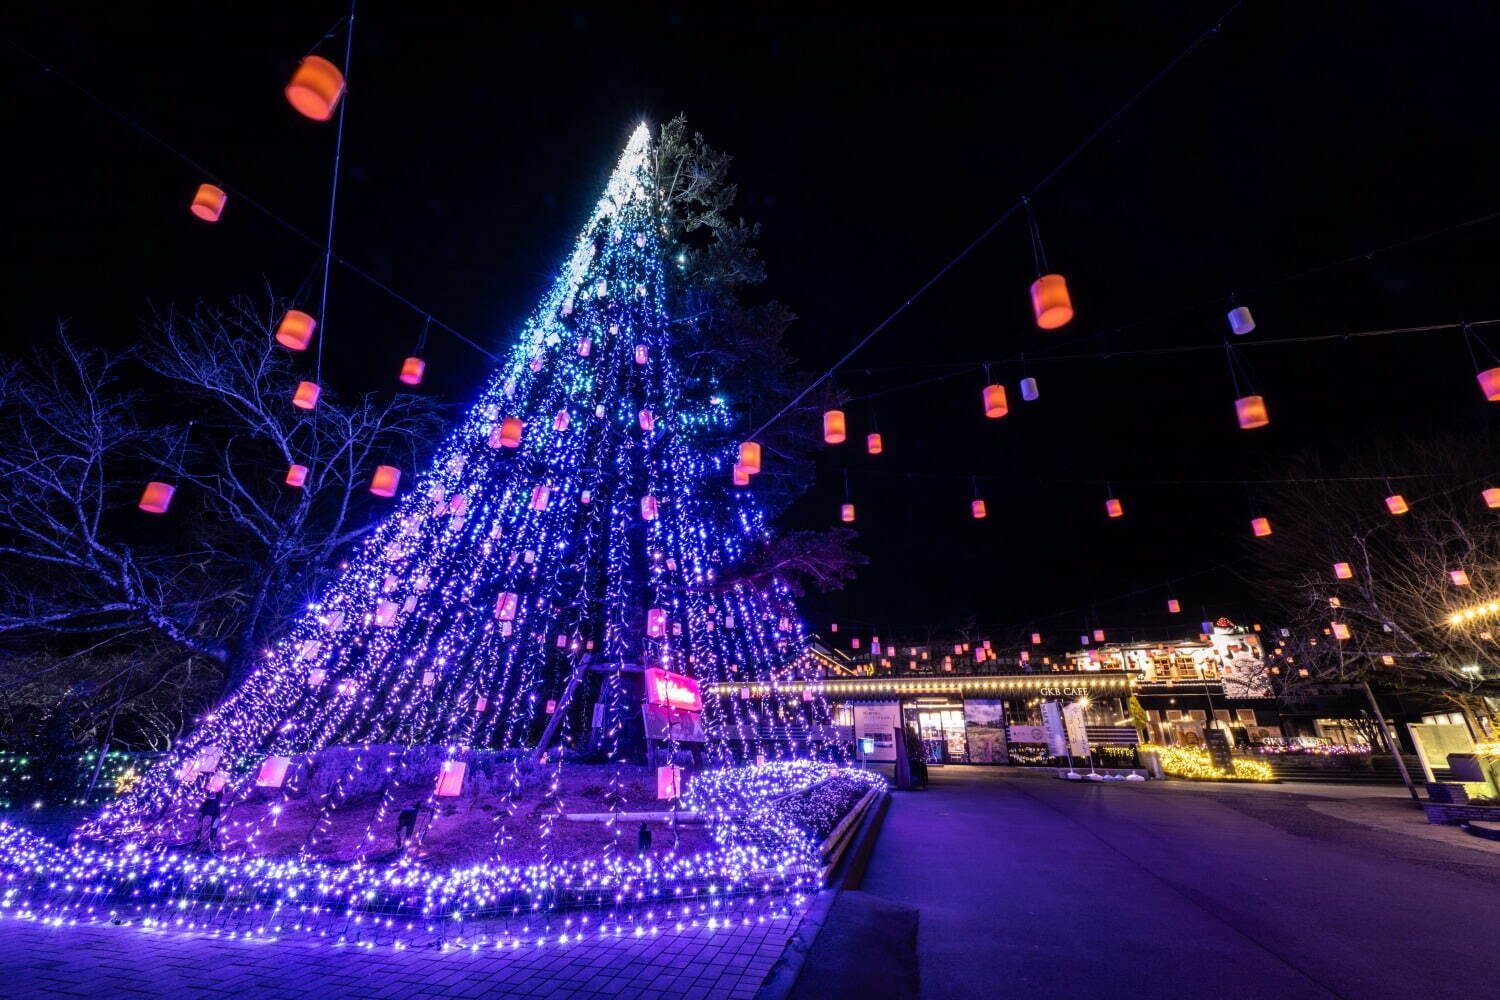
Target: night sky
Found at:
x=871, y=150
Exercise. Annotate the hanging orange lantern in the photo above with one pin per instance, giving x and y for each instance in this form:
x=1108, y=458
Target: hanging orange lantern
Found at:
x=1396, y=504
x=846, y=513
x=385, y=480
x=833, y=427
x=977, y=507
x=1114, y=508
x=296, y=475
x=1489, y=384
x=873, y=444
x=1342, y=570
x=296, y=330
x=1491, y=497
x=1050, y=301
x=1340, y=631
x=306, y=396
x=995, y=404
x=1173, y=606
x=1098, y=635
x=208, y=203
x=1036, y=638
x=1251, y=411
x=1459, y=577
x=1260, y=526
x=741, y=477
x=157, y=497
x=315, y=88
x=750, y=457
x=510, y=432
x=411, y=371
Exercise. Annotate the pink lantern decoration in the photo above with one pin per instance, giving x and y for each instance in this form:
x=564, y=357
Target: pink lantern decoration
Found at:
x=208, y=202
x=1396, y=504
x=668, y=782
x=561, y=421
x=648, y=507
x=451, y=778
x=157, y=497
x=1340, y=631
x=1342, y=570
x=1491, y=497
x=316, y=677
x=273, y=772
x=296, y=476
x=1114, y=508
x=1098, y=635
x=385, y=480
x=295, y=331
x=1489, y=384
x=540, y=496
x=1260, y=526
x=741, y=477
x=1173, y=606
x=217, y=782
x=551, y=706
x=306, y=396
x=412, y=370
x=1459, y=577
x=481, y=703
x=656, y=623
x=648, y=422
x=510, y=432
x=995, y=404
x=506, y=605
x=1036, y=638
x=385, y=614
x=642, y=354
x=1050, y=301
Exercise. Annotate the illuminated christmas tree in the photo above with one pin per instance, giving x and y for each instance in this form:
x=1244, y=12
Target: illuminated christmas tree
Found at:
x=579, y=526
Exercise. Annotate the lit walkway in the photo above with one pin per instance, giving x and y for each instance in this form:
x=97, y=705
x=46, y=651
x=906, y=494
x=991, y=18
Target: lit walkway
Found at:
x=124, y=963
x=1044, y=888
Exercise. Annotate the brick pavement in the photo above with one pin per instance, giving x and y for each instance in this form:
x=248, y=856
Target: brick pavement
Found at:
x=39, y=962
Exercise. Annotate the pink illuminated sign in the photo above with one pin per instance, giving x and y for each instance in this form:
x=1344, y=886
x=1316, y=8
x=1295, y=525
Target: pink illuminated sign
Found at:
x=673, y=690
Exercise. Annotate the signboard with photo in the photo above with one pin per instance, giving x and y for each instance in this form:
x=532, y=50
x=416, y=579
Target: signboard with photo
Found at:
x=667, y=724
x=1242, y=664
x=877, y=721
x=984, y=727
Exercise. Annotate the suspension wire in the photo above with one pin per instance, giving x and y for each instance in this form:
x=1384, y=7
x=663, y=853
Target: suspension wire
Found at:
x=240, y=194
x=333, y=189
x=961, y=368
x=1062, y=164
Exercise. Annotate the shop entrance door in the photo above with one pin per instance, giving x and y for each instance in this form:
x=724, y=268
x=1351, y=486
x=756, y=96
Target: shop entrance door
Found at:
x=943, y=735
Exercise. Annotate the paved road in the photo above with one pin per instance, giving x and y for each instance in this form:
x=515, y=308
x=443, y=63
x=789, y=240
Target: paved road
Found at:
x=125, y=963
x=1042, y=888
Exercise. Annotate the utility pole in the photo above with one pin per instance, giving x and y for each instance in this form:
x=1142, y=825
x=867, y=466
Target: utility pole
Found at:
x=1390, y=741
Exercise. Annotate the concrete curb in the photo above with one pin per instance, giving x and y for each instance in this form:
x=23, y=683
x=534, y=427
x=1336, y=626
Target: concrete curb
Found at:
x=783, y=975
